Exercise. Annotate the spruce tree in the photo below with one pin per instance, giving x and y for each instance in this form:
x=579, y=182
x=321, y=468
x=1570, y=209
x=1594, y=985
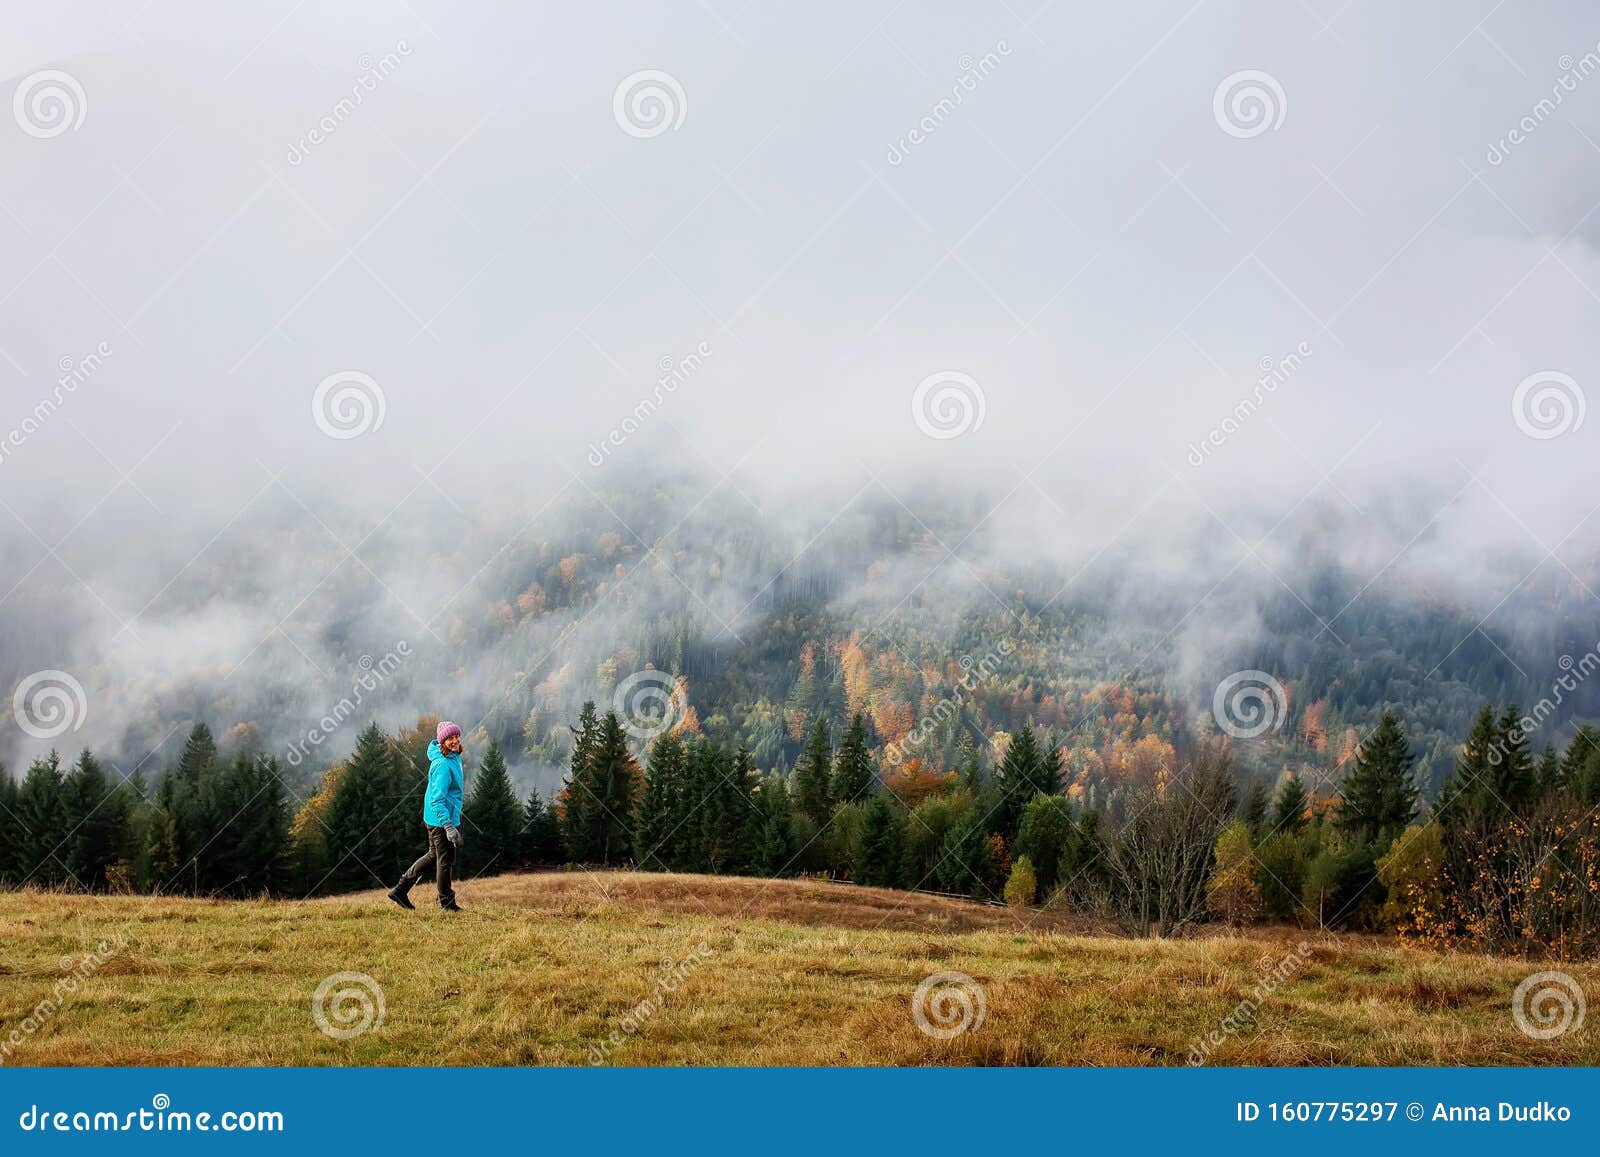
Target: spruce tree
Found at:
x=1024, y=772
x=1580, y=766
x=853, y=774
x=1465, y=787
x=599, y=829
x=42, y=824
x=199, y=754
x=1047, y=836
x=731, y=816
x=1254, y=807
x=877, y=854
x=253, y=852
x=1377, y=797
x=361, y=850
x=96, y=815
x=658, y=808
x=576, y=798
x=812, y=778
x=1289, y=807
x=493, y=817
x=10, y=833
x=969, y=762
x=776, y=845
x=541, y=832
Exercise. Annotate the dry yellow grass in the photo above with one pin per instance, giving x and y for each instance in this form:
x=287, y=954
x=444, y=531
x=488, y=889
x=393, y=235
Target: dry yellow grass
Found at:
x=544, y=967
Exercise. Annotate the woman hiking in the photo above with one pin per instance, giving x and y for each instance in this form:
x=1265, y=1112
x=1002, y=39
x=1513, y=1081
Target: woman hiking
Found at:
x=441, y=813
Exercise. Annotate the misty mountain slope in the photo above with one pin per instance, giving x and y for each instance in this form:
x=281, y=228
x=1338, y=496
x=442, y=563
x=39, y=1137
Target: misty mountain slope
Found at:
x=930, y=621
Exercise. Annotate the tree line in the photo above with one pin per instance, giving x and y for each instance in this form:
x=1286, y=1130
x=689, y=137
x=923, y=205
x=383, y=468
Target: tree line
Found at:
x=1506, y=859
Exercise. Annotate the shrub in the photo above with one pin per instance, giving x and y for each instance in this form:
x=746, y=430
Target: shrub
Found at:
x=1022, y=886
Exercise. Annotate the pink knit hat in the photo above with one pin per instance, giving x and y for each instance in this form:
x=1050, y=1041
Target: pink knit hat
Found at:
x=446, y=730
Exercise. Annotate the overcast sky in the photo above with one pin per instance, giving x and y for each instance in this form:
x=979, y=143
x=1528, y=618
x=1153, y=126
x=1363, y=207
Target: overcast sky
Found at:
x=1063, y=238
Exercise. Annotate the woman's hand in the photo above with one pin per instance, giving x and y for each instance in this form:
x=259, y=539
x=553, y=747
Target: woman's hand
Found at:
x=453, y=834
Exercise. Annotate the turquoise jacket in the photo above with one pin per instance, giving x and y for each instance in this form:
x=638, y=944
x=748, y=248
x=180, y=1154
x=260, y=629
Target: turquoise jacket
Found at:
x=441, y=807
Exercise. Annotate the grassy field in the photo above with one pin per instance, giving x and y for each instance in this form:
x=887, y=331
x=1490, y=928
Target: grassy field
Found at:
x=551, y=969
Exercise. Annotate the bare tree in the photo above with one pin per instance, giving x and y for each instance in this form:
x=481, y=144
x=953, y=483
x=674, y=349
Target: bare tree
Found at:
x=1157, y=863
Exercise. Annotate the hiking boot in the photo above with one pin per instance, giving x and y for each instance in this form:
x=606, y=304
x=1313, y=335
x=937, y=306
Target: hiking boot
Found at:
x=450, y=906
x=399, y=896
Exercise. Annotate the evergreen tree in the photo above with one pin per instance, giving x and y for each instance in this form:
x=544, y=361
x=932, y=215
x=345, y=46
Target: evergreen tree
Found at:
x=96, y=816
x=252, y=855
x=776, y=844
x=658, y=807
x=161, y=855
x=1024, y=772
x=598, y=824
x=878, y=857
x=1253, y=809
x=1580, y=766
x=1377, y=797
x=10, y=832
x=812, y=779
x=1289, y=807
x=541, y=833
x=965, y=863
x=969, y=763
x=731, y=817
x=853, y=774
x=1049, y=838
x=494, y=817
x=42, y=824
x=360, y=824
x=199, y=755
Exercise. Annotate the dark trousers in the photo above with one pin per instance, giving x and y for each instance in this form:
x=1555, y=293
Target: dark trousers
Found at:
x=440, y=860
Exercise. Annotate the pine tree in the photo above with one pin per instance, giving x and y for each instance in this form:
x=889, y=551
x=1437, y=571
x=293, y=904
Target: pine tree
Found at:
x=658, y=807
x=853, y=774
x=493, y=817
x=576, y=799
x=965, y=862
x=1289, y=807
x=162, y=853
x=1464, y=788
x=878, y=856
x=812, y=779
x=41, y=821
x=776, y=845
x=969, y=762
x=1047, y=836
x=1377, y=797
